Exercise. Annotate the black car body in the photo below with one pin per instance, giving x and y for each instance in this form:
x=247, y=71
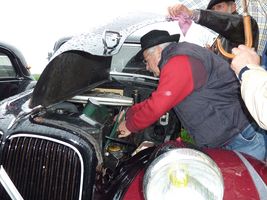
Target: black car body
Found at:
x=59, y=140
x=14, y=73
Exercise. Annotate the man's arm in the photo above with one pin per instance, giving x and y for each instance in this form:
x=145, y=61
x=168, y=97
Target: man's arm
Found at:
x=253, y=82
x=230, y=26
x=254, y=93
x=178, y=78
x=175, y=83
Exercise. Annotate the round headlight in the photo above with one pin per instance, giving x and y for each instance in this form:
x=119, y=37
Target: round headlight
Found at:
x=183, y=174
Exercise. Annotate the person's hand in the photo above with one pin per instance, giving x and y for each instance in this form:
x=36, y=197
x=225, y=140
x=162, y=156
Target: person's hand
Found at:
x=123, y=131
x=179, y=9
x=244, y=56
x=119, y=116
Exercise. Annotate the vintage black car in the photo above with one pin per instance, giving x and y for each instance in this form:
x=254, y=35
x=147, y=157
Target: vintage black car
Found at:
x=59, y=141
x=14, y=72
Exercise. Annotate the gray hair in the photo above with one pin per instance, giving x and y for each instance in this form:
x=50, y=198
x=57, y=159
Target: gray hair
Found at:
x=163, y=46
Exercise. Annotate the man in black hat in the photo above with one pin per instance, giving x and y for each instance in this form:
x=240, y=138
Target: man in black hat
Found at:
x=222, y=17
x=203, y=91
x=225, y=6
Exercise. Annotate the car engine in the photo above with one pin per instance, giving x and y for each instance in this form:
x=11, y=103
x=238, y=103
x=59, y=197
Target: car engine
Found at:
x=95, y=112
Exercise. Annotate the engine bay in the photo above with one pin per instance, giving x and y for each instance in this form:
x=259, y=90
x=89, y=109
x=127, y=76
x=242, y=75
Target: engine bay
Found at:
x=95, y=112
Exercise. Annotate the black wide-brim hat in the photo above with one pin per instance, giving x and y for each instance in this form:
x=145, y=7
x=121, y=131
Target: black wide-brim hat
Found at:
x=154, y=38
x=214, y=2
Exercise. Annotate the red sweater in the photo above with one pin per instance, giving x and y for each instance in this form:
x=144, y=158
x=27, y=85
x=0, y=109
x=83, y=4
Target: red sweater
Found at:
x=175, y=83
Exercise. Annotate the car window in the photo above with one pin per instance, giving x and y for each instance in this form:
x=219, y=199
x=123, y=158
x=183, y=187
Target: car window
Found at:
x=124, y=58
x=6, y=68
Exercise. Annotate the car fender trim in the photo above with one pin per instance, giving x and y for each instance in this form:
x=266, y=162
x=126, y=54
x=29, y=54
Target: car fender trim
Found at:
x=259, y=183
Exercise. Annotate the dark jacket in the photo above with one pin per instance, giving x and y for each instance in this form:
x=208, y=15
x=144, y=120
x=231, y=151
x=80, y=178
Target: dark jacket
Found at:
x=229, y=26
x=213, y=113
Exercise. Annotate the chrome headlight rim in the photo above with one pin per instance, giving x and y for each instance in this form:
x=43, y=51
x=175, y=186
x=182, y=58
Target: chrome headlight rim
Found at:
x=182, y=157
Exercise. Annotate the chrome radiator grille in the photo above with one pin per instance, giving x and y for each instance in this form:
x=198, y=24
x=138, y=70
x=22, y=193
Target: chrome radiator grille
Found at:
x=42, y=168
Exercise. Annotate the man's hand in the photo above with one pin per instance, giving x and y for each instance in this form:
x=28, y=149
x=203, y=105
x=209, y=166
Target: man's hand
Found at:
x=123, y=131
x=244, y=56
x=179, y=9
x=119, y=117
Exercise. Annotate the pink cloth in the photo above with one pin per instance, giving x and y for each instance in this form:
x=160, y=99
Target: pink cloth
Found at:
x=184, y=22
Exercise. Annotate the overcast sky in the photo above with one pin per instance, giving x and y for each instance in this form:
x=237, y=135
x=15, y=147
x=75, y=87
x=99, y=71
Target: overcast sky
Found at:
x=33, y=26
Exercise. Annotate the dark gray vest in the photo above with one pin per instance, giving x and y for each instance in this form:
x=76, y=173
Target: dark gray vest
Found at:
x=212, y=114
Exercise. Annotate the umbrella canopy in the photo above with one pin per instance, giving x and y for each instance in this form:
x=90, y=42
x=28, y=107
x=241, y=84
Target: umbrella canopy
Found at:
x=258, y=10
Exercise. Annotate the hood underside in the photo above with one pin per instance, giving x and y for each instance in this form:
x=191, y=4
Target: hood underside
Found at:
x=68, y=74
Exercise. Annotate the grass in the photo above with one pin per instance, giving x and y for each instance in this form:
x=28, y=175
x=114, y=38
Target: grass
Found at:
x=186, y=137
x=36, y=76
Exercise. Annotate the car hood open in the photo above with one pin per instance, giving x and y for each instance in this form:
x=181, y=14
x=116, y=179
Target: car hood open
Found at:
x=84, y=61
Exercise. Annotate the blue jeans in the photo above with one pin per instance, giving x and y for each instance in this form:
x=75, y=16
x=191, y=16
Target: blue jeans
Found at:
x=252, y=141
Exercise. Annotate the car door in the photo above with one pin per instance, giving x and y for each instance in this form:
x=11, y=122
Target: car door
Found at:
x=14, y=75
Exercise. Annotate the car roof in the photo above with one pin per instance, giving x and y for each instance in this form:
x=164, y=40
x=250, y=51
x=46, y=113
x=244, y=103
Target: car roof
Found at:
x=15, y=51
